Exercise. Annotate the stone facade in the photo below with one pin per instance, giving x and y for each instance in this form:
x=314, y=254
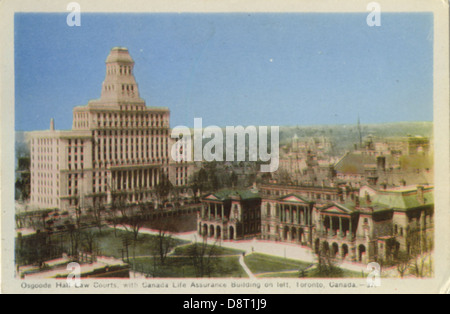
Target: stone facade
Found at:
x=358, y=226
x=117, y=148
x=230, y=215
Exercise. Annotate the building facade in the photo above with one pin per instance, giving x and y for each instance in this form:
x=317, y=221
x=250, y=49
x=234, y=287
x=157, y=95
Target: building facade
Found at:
x=118, y=148
x=364, y=225
x=230, y=215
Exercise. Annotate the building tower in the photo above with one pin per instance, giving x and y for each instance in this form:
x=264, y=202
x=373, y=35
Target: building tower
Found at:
x=120, y=84
x=118, y=148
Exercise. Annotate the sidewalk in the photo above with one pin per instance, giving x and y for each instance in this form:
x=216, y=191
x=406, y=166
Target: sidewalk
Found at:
x=279, y=249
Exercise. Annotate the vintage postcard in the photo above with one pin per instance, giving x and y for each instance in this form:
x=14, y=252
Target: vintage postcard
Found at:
x=225, y=147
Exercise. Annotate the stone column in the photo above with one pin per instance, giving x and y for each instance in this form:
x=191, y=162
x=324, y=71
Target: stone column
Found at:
x=350, y=233
x=139, y=178
x=331, y=233
x=113, y=148
x=340, y=226
x=146, y=178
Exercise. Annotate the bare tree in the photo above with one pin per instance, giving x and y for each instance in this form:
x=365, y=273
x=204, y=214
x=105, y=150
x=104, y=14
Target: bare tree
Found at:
x=203, y=257
x=165, y=242
x=403, y=263
x=163, y=189
x=113, y=214
x=78, y=214
x=419, y=248
x=97, y=214
x=326, y=263
x=88, y=241
x=74, y=235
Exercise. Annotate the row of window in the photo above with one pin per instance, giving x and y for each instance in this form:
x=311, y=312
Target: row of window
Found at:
x=136, y=133
x=116, y=69
x=75, y=142
x=43, y=141
x=46, y=201
x=43, y=166
x=42, y=150
x=135, y=116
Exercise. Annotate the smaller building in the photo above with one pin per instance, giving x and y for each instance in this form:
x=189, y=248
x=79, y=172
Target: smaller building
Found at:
x=287, y=218
x=377, y=224
x=230, y=215
x=89, y=267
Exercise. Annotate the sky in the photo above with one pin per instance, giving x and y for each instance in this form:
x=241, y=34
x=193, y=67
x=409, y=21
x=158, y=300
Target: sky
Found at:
x=231, y=69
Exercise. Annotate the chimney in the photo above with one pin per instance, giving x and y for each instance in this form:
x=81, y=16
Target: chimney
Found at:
x=381, y=163
x=368, y=200
x=52, y=124
x=420, y=194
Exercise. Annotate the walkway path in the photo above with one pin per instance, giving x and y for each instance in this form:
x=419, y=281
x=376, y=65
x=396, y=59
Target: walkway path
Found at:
x=279, y=249
x=244, y=266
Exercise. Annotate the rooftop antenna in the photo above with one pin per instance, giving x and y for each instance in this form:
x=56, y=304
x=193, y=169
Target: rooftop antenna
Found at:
x=359, y=132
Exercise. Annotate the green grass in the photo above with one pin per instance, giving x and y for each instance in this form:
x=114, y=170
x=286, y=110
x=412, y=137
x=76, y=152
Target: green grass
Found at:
x=111, y=245
x=312, y=274
x=337, y=273
x=280, y=275
x=183, y=251
x=267, y=266
x=262, y=263
x=226, y=261
x=182, y=267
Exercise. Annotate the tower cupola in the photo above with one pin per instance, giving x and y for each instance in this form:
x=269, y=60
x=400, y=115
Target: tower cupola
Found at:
x=119, y=84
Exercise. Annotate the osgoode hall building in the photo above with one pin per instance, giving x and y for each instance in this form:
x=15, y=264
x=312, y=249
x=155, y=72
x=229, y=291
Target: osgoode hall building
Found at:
x=117, y=147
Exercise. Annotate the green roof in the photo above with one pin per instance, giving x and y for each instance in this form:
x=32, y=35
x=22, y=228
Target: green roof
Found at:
x=243, y=194
x=404, y=200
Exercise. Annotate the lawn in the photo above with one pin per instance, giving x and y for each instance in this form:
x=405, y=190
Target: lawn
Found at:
x=109, y=244
x=218, y=250
x=144, y=257
x=182, y=267
x=267, y=266
x=262, y=263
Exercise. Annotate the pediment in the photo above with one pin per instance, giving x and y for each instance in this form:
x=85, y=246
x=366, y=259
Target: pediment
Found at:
x=211, y=197
x=336, y=210
x=294, y=199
